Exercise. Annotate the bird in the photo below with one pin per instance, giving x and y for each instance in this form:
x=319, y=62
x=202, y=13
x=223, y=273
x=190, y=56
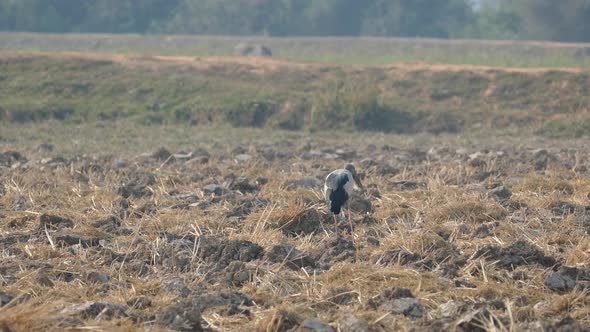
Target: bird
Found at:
x=338, y=187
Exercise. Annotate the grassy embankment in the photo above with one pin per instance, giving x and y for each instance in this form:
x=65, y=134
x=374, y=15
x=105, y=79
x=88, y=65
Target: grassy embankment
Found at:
x=333, y=89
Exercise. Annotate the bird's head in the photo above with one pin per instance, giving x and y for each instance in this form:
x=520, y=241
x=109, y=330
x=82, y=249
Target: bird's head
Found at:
x=352, y=170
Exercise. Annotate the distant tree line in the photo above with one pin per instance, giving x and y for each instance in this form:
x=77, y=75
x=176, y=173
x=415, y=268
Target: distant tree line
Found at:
x=564, y=20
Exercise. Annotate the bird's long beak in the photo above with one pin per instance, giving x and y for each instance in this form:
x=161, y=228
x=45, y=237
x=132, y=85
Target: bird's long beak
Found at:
x=358, y=181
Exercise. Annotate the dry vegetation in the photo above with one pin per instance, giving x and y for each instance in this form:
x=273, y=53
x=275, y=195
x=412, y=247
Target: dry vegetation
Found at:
x=452, y=233
x=122, y=216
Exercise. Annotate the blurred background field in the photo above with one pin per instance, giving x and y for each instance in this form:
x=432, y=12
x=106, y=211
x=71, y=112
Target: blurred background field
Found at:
x=328, y=50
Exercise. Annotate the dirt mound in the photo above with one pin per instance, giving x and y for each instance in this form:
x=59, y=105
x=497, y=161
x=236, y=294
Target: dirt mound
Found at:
x=285, y=253
x=396, y=256
x=336, y=250
x=517, y=254
x=300, y=220
x=397, y=301
x=136, y=184
x=223, y=252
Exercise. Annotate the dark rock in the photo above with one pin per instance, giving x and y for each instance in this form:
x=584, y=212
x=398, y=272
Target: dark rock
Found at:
x=351, y=323
x=398, y=301
x=215, y=189
x=517, y=254
x=139, y=302
x=314, y=325
x=70, y=239
x=180, y=316
x=500, y=193
x=4, y=299
x=559, y=282
x=566, y=278
x=290, y=256
x=406, y=306
x=306, y=182
x=562, y=208
x=54, y=222
x=567, y=324
x=97, y=277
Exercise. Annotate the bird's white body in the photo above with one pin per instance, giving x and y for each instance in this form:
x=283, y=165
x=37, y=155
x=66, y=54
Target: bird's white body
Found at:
x=332, y=184
x=338, y=188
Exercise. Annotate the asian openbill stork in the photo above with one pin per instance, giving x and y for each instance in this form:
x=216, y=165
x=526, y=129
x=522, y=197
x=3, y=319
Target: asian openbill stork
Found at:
x=338, y=188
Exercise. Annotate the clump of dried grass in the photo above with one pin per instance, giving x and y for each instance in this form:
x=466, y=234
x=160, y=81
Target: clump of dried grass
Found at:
x=473, y=211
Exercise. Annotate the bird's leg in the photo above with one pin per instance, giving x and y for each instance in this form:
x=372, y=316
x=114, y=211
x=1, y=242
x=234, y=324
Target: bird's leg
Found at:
x=335, y=225
x=350, y=221
x=356, y=252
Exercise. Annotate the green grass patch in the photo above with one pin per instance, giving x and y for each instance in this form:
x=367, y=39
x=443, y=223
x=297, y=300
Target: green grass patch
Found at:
x=341, y=50
x=566, y=128
x=41, y=87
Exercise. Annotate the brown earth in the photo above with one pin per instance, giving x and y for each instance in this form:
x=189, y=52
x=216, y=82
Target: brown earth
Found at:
x=218, y=236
